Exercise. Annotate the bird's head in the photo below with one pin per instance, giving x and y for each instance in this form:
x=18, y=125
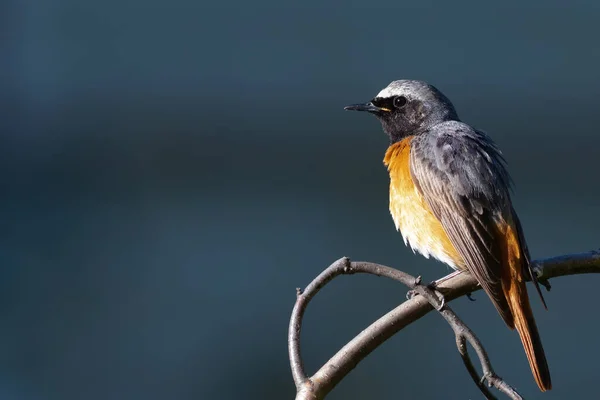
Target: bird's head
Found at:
x=408, y=107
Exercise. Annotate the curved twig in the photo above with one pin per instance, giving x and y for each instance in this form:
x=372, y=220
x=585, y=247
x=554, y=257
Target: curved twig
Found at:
x=334, y=370
x=461, y=344
x=306, y=387
x=302, y=300
x=464, y=333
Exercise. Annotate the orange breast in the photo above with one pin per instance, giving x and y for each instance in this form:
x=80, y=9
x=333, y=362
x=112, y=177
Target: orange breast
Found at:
x=412, y=216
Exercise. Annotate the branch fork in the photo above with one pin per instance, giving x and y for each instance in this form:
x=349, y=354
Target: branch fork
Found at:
x=420, y=300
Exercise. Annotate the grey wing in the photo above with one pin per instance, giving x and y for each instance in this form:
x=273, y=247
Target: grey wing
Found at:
x=462, y=176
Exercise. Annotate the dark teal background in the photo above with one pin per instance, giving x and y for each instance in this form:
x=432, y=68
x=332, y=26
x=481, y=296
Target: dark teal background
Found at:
x=172, y=171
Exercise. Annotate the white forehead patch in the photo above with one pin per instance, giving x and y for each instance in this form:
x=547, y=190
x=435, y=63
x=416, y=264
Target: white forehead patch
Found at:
x=389, y=91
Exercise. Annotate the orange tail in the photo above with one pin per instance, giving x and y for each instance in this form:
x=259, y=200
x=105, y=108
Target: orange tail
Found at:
x=518, y=303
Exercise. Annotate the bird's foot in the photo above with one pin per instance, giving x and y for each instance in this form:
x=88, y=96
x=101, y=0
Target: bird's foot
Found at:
x=537, y=270
x=433, y=287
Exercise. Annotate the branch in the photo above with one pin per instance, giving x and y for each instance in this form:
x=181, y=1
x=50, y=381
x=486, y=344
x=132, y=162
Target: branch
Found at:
x=330, y=374
x=463, y=333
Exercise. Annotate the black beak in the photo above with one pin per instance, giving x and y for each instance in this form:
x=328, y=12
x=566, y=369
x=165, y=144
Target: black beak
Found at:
x=370, y=107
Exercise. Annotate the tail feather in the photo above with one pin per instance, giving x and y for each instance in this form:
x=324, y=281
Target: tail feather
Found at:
x=515, y=291
x=524, y=322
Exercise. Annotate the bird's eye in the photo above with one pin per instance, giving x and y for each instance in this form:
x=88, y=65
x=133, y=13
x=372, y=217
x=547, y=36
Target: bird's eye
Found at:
x=400, y=101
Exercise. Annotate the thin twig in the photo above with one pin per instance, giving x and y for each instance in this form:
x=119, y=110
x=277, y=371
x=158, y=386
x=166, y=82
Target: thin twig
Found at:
x=302, y=300
x=334, y=370
x=461, y=344
x=462, y=332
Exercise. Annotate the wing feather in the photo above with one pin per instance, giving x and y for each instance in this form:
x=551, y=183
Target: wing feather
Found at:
x=462, y=177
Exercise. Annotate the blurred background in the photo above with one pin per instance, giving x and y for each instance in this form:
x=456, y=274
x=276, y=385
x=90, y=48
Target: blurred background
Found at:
x=172, y=171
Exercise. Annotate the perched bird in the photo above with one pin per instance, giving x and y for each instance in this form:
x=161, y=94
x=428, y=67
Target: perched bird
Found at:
x=449, y=197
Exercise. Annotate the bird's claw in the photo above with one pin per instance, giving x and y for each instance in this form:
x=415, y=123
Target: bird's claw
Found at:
x=432, y=285
x=538, y=271
x=546, y=284
x=442, y=302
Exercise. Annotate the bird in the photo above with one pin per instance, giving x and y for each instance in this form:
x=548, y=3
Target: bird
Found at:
x=449, y=196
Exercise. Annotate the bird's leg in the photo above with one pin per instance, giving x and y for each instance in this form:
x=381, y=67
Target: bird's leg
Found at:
x=435, y=284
